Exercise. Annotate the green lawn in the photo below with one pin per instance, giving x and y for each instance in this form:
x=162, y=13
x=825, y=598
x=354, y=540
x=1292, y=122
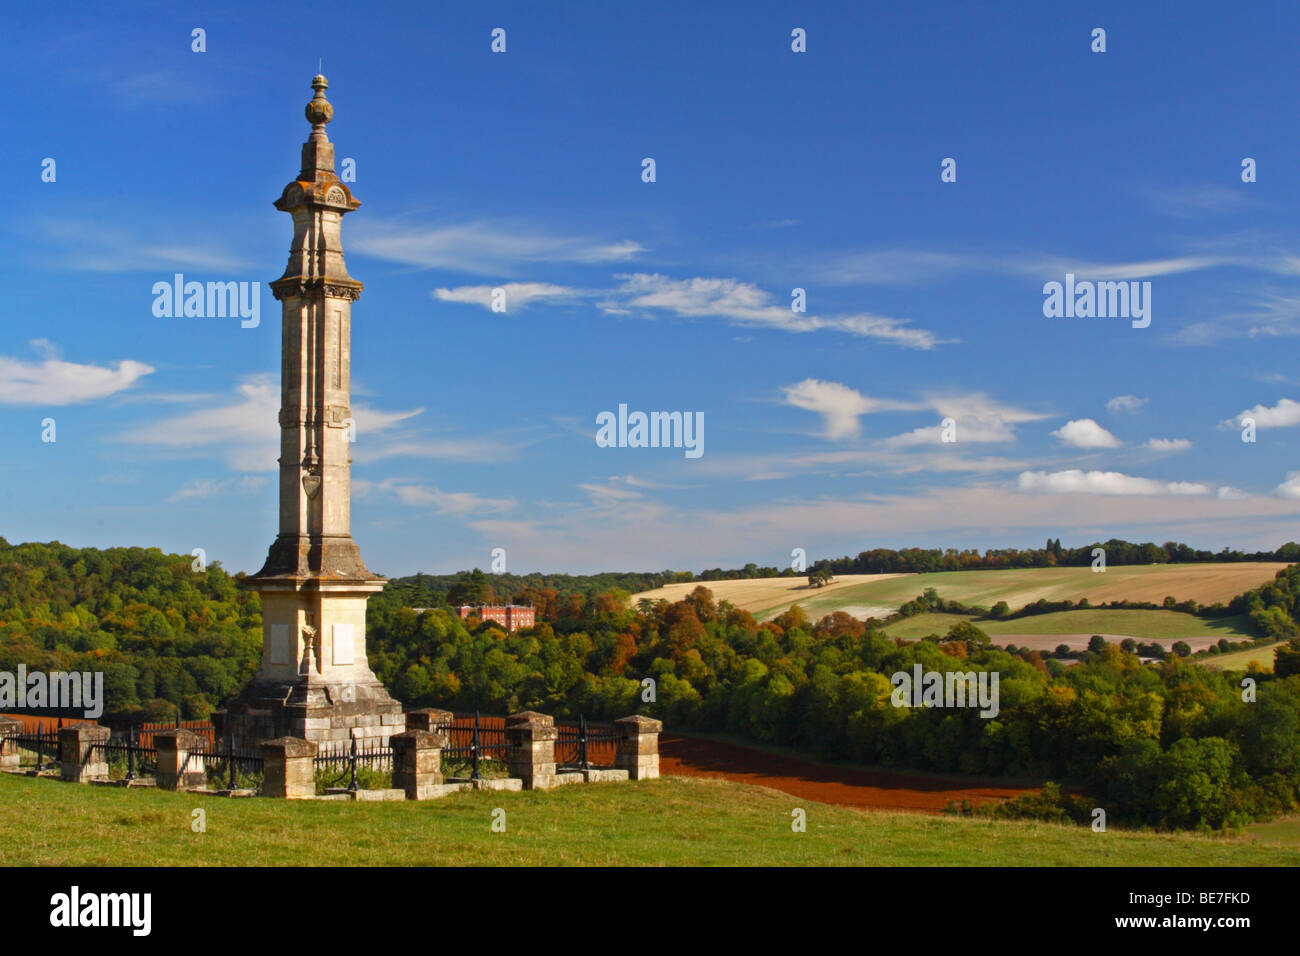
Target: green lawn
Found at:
x=1145, y=625
x=674, y=821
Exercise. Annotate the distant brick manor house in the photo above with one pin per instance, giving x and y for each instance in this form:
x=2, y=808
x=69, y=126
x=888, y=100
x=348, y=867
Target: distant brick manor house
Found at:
x=510, y=616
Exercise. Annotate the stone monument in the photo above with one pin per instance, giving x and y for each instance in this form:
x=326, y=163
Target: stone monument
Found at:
x=314, y=681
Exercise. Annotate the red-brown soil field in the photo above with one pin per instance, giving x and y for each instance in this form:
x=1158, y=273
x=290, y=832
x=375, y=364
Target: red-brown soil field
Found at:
x=689, y=756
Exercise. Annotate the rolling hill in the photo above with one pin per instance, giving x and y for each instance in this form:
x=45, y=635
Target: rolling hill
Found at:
x=876, y=595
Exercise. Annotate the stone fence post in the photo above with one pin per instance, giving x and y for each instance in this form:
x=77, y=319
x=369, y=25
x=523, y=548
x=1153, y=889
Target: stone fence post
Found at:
x=530, y=749
x=80, y=761
x=638, y=746
x=288, y=768
x=428, y=719
x=174, y=746
x=9, y=727
x=417, y=762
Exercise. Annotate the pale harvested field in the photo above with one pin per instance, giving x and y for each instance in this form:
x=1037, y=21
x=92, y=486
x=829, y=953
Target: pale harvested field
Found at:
x=769, y=596
x=1206, y=583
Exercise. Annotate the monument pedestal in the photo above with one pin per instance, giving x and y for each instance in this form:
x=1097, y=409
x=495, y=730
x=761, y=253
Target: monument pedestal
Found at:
x=315, y=682
x=329, y=714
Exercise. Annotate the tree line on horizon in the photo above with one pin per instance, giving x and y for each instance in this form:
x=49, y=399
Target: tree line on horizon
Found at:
x=479, y=587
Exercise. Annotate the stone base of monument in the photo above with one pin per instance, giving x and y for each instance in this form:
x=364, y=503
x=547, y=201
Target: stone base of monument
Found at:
x=327, y=714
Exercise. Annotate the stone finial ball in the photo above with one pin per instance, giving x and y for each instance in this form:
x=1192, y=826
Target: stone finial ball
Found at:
x=319, y=111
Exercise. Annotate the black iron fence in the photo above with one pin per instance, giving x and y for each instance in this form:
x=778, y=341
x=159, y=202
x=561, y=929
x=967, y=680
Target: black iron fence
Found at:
x=41, y=743
x=344, y=763
x=474, y=744
x=473, y=740
x=584, y=746
x=124, y=749
x=225, y=766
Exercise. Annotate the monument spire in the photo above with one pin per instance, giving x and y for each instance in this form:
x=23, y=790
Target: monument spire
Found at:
x=315, y=681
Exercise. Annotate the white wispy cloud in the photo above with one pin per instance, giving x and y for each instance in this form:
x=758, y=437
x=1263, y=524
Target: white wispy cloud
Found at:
x=472, y=449
x=243, y=429
x=1076, y=482
x=160, y=246
x=52, y=381
x=1168, y=444
x=743, y=303
x=840, y=406
x=611, y=492
x=484, y=247
x=517, y=294
x=1125, y=403
x=1085, y=433
x=1284, y=414
x=417, y=495
x=908, y=266
x=739, y=303
x=1290, y=487
x=1192, y=201
x=978, y=419
x=202, y=488
x=1268, y=314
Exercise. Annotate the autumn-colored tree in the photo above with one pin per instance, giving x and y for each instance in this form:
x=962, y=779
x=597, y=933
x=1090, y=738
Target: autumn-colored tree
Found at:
x=701, y=601
x=839, y=624
x=792, y=618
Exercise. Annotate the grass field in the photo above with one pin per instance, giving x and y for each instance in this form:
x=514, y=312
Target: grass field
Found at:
x=672, y=821
x=1144, y=625
x=862, y=595
x=1237, y=660
x=1284, y=831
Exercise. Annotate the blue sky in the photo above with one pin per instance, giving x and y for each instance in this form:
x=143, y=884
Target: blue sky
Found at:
x=775, y=170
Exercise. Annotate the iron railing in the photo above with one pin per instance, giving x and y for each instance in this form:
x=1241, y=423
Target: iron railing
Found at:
x=474, y=739
x=584, y=746
x=229, y=763
x=42, y=741
x=127, y=747
x=372, y=756
x=471, y=738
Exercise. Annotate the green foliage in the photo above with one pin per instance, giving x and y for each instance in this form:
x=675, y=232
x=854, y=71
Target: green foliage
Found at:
x=367, y=778
x=966, y=632
x=168, y=638
x=1286, y=662
x=820, y=577
x=1050, y=805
